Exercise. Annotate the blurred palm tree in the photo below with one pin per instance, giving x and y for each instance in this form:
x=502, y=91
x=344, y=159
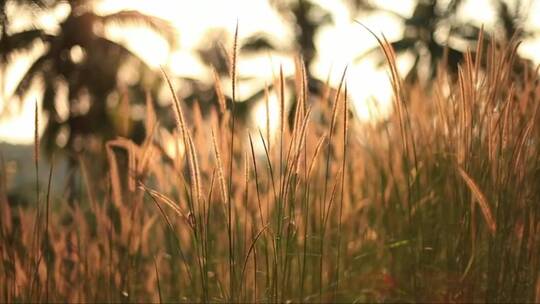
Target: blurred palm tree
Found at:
x=435, y=32
x=213, y=54
x=11, y=42
x=14, y=42
x=80, y=58
x=305, y=18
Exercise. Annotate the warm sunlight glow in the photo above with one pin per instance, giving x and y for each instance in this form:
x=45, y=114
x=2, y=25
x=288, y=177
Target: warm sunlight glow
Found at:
x=338, y=45
x=269, y=151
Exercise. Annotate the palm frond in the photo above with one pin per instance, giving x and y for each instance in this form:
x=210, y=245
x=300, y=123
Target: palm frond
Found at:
x=35, y=70
x=452, y=7
x=399, y=46
x=258, y=42
x=132, y=17
x=368, y=7
x=21, y=41
x=121, y=52
x=31, y=4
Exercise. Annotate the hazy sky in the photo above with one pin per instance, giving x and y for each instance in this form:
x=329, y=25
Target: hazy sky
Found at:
x=338, y=44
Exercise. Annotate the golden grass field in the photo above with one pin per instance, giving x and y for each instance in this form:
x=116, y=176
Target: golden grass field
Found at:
x=439, y=201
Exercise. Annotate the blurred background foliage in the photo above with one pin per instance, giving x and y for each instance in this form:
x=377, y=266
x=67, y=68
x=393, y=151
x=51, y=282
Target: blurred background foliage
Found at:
x=97, y=79
x=81, y=60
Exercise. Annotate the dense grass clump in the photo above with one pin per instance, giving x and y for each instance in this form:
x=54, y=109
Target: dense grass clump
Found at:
x=439, y=201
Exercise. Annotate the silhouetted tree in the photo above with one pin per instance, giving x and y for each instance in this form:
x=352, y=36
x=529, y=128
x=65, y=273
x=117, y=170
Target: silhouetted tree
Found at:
x=432, y=31
x=214, y=55
x=12, y=42
x=306, y=18
x=82, y=59
x=15, y=42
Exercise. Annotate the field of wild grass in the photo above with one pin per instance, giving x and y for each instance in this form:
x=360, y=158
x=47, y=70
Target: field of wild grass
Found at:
x=439, y=201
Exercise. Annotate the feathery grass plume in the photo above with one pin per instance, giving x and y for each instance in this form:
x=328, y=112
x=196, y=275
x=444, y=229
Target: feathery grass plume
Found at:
x=219, y=92
x=267, y=109
x=194, y=169
x=405, y=126
x=395, y=79
x=234, y=62
x=221, y=175
x=153, y=195
x=179, y=114
x=481, y=199
x=188, y=144
x=230, y=235
x=301, y=141
x=164, y=199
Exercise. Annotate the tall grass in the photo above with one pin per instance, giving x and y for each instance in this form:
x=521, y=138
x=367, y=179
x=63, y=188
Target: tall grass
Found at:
x=436, y=202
